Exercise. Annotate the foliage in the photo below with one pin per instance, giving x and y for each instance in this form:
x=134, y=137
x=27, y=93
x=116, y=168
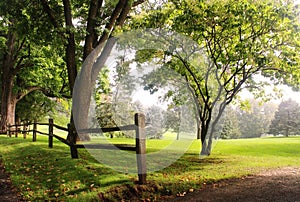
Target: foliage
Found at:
x=242, y=38
x=230, y=128
x=84, y=27
x=34, y=107
x=287, y=119
x=103, y=107
x=61, y=111
x=155, y=122
x=29, y=61
x=255, y=120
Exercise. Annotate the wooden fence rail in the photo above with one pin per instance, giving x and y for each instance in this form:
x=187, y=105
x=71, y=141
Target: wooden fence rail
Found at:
x=139, y=147
x=15, y=129
x=138, y=127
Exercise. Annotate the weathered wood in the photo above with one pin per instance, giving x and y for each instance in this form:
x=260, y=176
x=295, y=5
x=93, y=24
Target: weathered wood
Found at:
x=24, y=131
x=139, y=120
x=61, y=128
x=16, y=131
x=140, y=146
x=50, y=140
x=42, y=124
x=27, y=131
x=61, y=139
x=9, y=130
x=106, y=130
x=18, y=125
x=126, y=147
x=42, y=133
x=34, y=132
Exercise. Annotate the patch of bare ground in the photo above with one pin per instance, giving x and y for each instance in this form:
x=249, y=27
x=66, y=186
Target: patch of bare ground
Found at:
x=276, y=185
x=7, y=193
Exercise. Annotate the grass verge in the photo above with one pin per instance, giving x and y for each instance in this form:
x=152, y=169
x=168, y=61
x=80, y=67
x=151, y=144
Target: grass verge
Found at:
x=40, y=173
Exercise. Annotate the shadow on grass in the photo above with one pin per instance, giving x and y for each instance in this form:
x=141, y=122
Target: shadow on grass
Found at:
x=41, y=173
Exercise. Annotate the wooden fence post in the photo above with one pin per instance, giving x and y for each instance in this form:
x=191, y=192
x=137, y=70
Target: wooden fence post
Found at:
x=24, y=130
x=140, y=139
x=16, y=130
x=34, y=131
x=17, y=127
x=9, y=130
x=72, y=141
x=50, y=141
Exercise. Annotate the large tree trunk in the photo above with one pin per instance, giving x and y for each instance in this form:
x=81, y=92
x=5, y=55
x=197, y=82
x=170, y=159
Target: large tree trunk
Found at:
x=8, y=104
x=8, y=100
x=8, y=108
x=210, y=129
x=71, y=63
x=204, y=131
x=117, y=17
x=93, y=62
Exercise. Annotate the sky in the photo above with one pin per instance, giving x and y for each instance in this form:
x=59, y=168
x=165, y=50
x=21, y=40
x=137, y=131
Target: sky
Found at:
x=286, y=92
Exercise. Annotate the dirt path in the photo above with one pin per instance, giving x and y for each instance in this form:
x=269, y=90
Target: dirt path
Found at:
x=280, y=185
x=7, y=194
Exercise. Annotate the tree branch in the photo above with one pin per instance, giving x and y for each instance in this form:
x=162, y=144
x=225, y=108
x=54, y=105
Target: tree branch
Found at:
x=138, y=2
x=22, y=94
x=91, y=24
x=114, y=16
x=50, y=13
x=52, y=17
x=19, y=64
x=46, y=92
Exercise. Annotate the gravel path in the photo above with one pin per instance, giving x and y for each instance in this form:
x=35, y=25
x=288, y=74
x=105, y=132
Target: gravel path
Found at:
x=279, y=185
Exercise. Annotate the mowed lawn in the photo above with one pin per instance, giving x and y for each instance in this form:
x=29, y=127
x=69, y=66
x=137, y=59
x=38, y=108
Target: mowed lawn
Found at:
x=41, y=173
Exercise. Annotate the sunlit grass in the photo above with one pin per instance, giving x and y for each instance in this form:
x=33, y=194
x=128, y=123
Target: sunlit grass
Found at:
x=40, y=173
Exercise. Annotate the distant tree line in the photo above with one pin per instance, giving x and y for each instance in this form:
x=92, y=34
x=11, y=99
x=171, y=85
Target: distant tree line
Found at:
x=260, y=119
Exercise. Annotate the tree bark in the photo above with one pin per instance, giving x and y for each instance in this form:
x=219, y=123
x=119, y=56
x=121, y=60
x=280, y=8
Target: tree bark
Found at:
x=8, y=108
x=204, y=131
x=91, y=36
x=71, y=46
x=8, y=101
x=93, y=62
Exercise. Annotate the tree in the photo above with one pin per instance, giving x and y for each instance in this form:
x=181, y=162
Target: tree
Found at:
x=172, y=120
x=242, y=38
x=95, y=22
x=256, y=118
x=23, y=56
x=287, y=119
x=229, y=125
x=155, y=127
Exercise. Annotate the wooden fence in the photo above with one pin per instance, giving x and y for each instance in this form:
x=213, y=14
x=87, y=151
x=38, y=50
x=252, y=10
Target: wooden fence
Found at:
x=16, y=129
x=138, y=127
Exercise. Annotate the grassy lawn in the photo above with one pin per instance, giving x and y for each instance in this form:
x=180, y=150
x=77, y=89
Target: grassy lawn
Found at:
x=40, y=173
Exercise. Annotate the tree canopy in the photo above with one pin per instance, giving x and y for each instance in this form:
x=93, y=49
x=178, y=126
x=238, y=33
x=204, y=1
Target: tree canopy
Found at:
x=241, y=38
x=29, y=61
x=44, y=43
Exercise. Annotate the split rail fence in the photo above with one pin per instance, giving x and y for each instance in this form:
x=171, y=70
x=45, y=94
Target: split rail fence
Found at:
x=138, y=127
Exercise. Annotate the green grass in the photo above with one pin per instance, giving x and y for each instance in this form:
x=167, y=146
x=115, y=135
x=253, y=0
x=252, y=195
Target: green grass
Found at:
x=40, y=173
